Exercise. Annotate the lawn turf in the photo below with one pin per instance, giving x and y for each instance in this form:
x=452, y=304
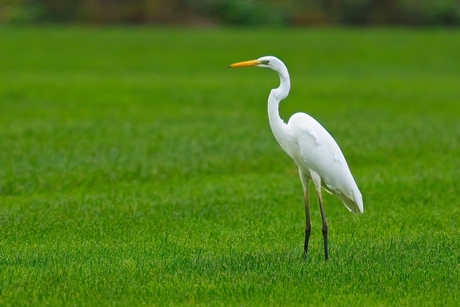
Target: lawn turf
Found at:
x=136, y=170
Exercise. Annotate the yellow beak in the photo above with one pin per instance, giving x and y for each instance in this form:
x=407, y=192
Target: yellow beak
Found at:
x=244, y=64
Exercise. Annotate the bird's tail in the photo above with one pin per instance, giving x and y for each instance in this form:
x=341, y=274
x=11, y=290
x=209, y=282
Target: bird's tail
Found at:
x=354, y=203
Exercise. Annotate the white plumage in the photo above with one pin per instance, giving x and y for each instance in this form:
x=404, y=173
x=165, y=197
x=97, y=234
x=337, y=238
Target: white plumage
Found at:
x=314, y=151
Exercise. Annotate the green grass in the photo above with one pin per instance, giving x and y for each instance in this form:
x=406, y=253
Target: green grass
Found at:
x=136, y=170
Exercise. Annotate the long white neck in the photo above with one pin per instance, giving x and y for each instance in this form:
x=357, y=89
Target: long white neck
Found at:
x=279, y=128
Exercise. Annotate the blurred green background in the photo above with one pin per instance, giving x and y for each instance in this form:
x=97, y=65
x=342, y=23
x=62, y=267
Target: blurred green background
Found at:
x=137, y=170
x=233, y=12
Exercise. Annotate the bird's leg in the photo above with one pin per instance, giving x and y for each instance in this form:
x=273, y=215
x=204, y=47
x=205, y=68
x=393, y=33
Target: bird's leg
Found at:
x=323, y=217
x=307, y=223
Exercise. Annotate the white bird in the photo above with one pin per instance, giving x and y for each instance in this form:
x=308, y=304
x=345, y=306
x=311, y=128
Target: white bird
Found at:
x=314, y=151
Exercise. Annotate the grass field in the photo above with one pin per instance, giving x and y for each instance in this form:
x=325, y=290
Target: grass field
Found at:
x=136, y=170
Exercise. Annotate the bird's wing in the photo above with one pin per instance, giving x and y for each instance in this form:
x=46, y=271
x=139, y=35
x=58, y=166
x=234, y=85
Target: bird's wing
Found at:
x=320, y=153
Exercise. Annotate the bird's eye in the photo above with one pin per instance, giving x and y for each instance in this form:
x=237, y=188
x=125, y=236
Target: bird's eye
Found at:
x=265, y=62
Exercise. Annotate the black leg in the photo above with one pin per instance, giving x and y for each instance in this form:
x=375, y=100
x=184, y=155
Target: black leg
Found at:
x=307, y=224
x=323, y=216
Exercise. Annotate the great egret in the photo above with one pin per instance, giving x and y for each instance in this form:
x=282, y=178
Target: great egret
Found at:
x=314, y=151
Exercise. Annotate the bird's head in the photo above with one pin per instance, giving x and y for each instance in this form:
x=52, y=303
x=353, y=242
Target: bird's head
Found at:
x=274, y=64
x=269, y=62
